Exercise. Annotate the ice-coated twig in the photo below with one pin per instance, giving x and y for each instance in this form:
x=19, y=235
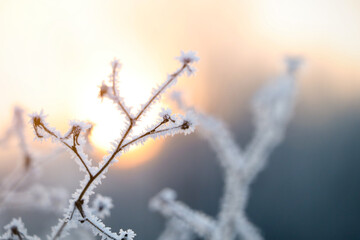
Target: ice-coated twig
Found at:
x=272, y=107
x=167, y=124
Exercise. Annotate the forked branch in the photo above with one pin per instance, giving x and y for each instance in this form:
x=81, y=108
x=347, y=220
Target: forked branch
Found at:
x=168, y=125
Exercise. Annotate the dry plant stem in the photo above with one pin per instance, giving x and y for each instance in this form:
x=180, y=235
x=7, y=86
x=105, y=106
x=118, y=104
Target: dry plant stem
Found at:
x=132, y=122
x=94, y=225
x=173, y=76
x=114, y=91
x=73, y=147
x=18, y=234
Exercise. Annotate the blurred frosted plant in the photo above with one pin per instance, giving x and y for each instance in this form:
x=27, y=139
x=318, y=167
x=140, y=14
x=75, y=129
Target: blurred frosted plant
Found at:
x=127, y=235
x=101, y=206
x=16, y=230
x=17, y=129
x=272, y=107
x=78, y=211
x=36, y=196
x=39, y=197
x=176, y=229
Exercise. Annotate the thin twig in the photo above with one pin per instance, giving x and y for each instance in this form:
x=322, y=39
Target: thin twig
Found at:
x=73, y=148
x=172, y=78
x=94, y=225
x=115, y=94
x=120, y=146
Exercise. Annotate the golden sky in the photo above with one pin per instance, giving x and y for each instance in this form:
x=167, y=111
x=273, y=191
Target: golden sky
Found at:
x=54, y=54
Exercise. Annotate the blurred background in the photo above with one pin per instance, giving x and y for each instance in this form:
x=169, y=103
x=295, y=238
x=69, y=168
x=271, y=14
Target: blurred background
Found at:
x=55, y=54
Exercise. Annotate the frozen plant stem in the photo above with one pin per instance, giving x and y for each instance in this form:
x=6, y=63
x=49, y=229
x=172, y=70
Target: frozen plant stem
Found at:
x=168, y=124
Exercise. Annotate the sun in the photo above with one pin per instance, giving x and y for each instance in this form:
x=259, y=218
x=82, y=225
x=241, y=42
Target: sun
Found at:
x=135, y=88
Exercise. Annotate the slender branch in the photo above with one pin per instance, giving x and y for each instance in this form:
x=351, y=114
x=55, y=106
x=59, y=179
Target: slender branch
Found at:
x=171, y=79
x=65, y=222
x=58, y=233
x=17, y=233
x=82, y=161
x=120, y=147
x=151, y=132
x=107, y=163
x=132, y=121
x=94, y=225
x=115, y=94
x=73, y=148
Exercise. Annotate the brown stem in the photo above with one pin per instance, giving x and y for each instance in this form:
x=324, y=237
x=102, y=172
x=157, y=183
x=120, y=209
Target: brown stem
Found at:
x=107, y=163
x=172, y=78
x=82, y=161
x=120, y=147
x=114, y=92
x=57, y=235
x=94, y=225
x=73, y=148
x=151, y=132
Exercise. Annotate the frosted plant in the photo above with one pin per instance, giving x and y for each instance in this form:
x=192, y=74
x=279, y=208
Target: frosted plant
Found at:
x=272, y=108
x=176, y=229
x=17, y=129
x=16, y=230
x=78, y=211
x=101, y=206
x=24, y=172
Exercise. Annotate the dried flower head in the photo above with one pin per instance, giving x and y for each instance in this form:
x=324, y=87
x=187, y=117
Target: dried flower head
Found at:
x=186, y=58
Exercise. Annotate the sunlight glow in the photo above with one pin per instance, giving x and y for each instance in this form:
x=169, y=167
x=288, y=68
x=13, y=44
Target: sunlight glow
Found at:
x=108, y=121
x=54, y=54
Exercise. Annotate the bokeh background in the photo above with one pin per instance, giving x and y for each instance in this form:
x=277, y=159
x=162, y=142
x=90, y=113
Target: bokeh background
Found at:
x=55, y=54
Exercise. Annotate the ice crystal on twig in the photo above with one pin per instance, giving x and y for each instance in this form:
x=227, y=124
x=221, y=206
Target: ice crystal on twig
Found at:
x=101, y=206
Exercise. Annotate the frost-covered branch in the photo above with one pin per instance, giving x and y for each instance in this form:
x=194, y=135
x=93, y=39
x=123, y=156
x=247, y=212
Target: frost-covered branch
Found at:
x=272, y=107
x=167, y=124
